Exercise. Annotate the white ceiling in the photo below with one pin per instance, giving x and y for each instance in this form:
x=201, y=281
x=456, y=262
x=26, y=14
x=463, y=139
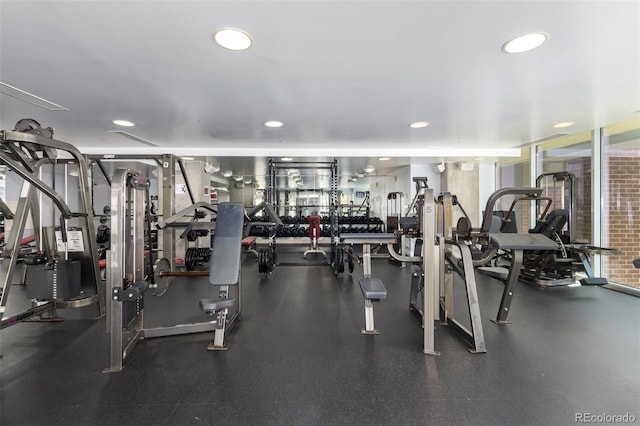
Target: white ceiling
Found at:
x=346, y=77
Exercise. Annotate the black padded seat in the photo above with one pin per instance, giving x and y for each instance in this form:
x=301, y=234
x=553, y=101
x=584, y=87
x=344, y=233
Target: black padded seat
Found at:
x=213, y=305
x=497, y=272
x=523, y=242
x=372, y=288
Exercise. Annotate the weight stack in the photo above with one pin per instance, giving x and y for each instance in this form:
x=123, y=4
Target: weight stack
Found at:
x=59, y=279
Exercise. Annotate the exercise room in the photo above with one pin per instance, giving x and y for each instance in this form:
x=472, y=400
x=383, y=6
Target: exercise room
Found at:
x=319, y=213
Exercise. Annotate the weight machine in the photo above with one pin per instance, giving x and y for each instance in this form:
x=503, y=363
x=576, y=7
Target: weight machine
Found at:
x=434, y=262
x=127, y=284
x=25, y=151
x=432, y=280
x=560, y=266
x=187, y=220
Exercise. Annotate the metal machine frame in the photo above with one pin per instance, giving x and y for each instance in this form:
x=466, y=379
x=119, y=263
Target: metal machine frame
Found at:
x=559, y=267
x=431, y=294
x=126, y=284
x=24, y=150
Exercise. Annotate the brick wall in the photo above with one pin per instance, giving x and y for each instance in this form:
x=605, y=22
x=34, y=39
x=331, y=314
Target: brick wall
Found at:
x=621, y=221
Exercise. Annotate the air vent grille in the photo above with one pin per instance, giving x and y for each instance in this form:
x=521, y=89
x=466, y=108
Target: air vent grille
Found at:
x=28, y=97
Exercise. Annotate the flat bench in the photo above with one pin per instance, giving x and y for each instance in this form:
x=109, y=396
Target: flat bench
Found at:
x=373, y=290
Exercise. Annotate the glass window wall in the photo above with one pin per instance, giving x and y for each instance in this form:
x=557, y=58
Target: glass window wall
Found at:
x=621, y=201
x=515, y=174
x=572, y=155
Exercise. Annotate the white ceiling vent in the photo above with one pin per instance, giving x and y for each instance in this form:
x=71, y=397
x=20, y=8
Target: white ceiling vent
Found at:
x=133, y=137
x=28, y=97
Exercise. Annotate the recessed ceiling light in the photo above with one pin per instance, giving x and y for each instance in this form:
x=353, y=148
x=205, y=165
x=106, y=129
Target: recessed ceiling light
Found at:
x=227, y=173
x=369, y=169
x=188, y=158
x=419, y=124
x=286, y=159
x=232, y=38
x=274, y=123
x=525, y=43
x=360, y=175
x=123, y=123
x=384, y=158
x=564, y=124
x=238, y=178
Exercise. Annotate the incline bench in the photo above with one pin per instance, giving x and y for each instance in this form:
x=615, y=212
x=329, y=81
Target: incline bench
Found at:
x=224, y=270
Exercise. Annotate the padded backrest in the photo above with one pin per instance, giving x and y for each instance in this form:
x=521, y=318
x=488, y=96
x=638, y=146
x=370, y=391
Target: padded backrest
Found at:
x=227, y=244
x=496, y=224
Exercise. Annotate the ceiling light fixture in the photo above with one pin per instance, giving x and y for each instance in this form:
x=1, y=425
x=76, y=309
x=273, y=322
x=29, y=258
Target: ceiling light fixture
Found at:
x=232, y=38
x=563, y=124
x=286, y=159
x=419, y=124
x=384, y=158
x=525, y=43
x=188, y=158
x=360, y=175
x=369, y=169
x=227, y=173
x=274, y=123
x=123, y=123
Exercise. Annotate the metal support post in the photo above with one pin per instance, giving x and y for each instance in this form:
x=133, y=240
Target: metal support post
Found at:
x=431, y=288
x=446, y=276
x=168, y=163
